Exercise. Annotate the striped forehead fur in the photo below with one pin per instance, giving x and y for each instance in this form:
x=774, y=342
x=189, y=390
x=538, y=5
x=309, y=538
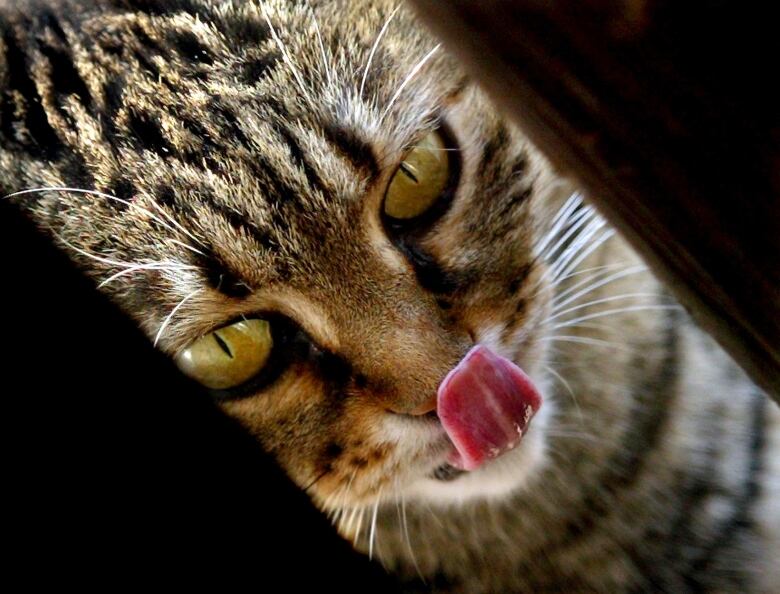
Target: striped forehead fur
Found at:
x=208, y=161
x=215, y=104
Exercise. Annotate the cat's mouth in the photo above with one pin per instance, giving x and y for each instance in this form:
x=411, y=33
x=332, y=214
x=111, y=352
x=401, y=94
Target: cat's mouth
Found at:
x=484, y=405
x=446, y=473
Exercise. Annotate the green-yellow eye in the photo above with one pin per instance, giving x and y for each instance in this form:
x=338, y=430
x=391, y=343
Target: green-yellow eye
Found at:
x=230, y=356
x=420, y=179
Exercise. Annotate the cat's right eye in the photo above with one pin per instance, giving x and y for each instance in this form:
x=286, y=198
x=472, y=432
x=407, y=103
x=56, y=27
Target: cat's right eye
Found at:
x=229, y=356
x=420, y=180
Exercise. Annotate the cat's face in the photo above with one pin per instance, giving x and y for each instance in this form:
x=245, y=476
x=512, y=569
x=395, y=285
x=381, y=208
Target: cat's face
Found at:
x=258, y=163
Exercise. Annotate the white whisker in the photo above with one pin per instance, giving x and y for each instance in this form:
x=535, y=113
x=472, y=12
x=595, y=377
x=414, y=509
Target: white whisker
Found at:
x=576, y=221
x=566, y=385
x=597, y=270
x=576, y=435
x=559, y=220
x=374, y=48
x=283, y=49
x=169, y=317
x=574, y=262
x=175, y=223
x=101, y=259
x=187, y=246
x=359, y=527
x=164, y=266
x=609, y=312
x=572, y=202
x=351, y=519
x=584, y=340
x=169, y=222
x=558, y=314
x=593, y=226
x=584, y=221
x=407, y=539
x=559, y=300
x=127, y=203
x=372, y=534
x=568, y=207
x=407, y=80
x=322, y=45
x=343, y=493
x=592, y=287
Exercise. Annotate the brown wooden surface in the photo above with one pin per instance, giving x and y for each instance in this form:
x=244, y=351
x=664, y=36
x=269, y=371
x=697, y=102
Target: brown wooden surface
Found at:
x=666, y=113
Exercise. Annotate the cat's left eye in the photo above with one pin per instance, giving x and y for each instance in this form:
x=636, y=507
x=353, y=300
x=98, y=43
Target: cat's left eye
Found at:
x=229, y=356
x=421, y=178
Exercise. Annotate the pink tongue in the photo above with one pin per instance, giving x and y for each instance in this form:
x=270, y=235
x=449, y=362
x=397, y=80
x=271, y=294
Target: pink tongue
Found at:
x=485, y=404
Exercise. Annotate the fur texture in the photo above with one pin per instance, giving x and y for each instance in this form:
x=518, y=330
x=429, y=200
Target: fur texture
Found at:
x=208, y=160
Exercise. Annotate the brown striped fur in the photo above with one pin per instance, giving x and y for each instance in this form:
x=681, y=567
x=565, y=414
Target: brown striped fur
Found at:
x=240, y=152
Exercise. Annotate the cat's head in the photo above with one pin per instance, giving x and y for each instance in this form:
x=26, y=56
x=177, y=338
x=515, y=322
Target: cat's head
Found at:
x=317, y=215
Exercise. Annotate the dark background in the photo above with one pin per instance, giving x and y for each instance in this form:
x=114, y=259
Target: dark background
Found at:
x=116, y=469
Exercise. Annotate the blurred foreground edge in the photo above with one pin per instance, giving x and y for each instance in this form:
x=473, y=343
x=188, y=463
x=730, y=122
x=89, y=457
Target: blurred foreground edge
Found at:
x=117, y=471
x=668, y=114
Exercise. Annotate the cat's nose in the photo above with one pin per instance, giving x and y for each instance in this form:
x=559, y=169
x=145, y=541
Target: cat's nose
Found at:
x=421, y=409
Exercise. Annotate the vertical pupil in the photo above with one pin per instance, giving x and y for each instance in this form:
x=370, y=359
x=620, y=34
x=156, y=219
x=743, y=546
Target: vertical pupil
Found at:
x=222, y=344
x=407, y=170
x=421, y=178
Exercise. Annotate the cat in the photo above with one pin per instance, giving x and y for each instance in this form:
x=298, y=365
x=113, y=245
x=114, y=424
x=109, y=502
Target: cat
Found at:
x=322, y=219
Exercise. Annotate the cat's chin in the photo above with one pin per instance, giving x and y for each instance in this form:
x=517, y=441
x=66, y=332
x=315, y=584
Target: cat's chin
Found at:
x=496, y=479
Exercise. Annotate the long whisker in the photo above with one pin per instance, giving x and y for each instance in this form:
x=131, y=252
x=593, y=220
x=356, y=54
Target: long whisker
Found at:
x=573, y=262
x=127, y=203
x=164, y=266
x=596, y=270
x=584, y=223
x=558, y=221
x=344, y=494
x=109, y=261
x=357, y=515
x=610, y=312
x=346, y=488
x=407, y=80
x=283, y=49
x=577, y=220
x=372, y=534
x=566, y=385
x=187, y=246
x=594, y=273
x=322, y=45
x=374, y=48
x=559, y=300
x=171, y=224
x=348, y=519
x=176, y=224
x=598, y=301
x=576, y=435
x=584, y=340
x=169, y=317
x=407, y=539
x=595, y=224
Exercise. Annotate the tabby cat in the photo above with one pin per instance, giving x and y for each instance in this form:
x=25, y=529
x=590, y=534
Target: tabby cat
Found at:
x=319, y=217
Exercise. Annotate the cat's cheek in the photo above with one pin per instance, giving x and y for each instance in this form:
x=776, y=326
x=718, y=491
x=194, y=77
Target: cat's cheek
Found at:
x=291, y=420
x=323, y=440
